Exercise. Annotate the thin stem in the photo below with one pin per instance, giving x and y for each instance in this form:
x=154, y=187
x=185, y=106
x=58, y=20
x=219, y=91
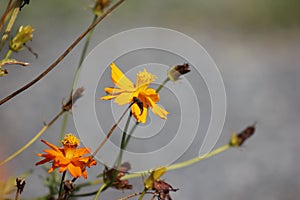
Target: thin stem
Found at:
x=17, y=195
x=8, y=55
x=60, y=58
x=61, y=184
x=182, y=164
x=197, y=159
x=134, y=194
x=32, y=140
x=110, y=132
x=64, y=126
x=11, y=23
x=4, y=16
x=162, y=85
x=123, y=142
x=83, y=53
x=131, y=132
x=142, y=195
x=100, y=190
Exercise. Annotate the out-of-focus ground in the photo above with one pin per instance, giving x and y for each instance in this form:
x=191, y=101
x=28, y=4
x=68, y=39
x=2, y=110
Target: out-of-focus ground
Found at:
x=256, y=46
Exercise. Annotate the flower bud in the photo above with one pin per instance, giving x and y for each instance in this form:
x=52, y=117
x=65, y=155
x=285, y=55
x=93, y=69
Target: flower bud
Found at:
x=237, y=140
x=175, y=72
x=23, y=35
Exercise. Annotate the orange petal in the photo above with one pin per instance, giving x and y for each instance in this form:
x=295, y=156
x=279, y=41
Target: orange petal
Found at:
x=52, y=146
x=151, y=93
x=81, y=151
x=75, y=171
x=119, y=79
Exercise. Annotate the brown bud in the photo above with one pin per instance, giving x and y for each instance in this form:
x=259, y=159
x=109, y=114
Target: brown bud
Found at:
x=175, y=72
x=20, y=184
x=238, y=139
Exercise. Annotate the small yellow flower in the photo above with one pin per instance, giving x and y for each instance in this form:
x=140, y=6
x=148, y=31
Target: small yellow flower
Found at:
x=23, y=35
x=126, y=91
x=68, y=158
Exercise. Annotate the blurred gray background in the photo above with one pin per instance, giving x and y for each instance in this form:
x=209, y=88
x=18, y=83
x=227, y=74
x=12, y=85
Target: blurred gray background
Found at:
x=255, y=44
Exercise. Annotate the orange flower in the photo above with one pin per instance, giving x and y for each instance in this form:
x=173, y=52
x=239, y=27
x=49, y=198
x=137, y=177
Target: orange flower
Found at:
x=125, y=92
x=68, y=158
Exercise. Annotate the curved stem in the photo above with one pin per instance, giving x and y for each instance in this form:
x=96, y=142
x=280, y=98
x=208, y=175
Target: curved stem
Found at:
x=32, y=140
x=100, y=190
x=182, y=164
x=67, y=51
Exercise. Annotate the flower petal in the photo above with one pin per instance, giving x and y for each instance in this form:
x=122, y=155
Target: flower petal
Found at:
x=140, y=117
x=162, y=113
x=151, y=93
x=108, y=97
x=156, y=109
x=52, y=146
x=124, y=98
x=75, y=171
x=113, y=90
x=119, y=79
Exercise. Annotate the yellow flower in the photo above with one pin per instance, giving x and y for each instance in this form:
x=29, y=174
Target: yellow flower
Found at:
x=68, y=158
x=126, y=91
x=23, y=35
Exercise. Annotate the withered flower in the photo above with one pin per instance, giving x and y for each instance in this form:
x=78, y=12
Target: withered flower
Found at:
x=163, y=189
x=113, y=175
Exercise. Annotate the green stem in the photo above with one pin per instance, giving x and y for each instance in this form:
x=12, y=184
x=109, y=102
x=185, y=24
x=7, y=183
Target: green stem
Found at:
x=130, y=133
x=162, y=85
x=180, y=165
x=77, y=73
x=142, y=195
x=197, y=159
x=61, y=183
x=123, y=142
x=100, y=190
x=8, y=55
x=63, y=126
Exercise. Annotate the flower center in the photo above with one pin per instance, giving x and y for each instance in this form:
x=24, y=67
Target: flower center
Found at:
x=144, y=78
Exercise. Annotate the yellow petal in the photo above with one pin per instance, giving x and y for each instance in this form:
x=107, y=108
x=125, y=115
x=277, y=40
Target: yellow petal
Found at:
x=156, y=109
x=162, y=113
x=108, y=97
x=123, y=98
x=113, y=90
x=140, y=117
x=119, y=79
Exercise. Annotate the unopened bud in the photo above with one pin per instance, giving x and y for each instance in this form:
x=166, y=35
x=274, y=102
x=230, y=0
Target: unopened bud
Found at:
x=175, y=72
x=237, y=140
x=23, y=35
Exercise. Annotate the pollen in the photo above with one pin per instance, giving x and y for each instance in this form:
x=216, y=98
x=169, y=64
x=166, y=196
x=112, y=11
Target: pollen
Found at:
x=70, y=140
